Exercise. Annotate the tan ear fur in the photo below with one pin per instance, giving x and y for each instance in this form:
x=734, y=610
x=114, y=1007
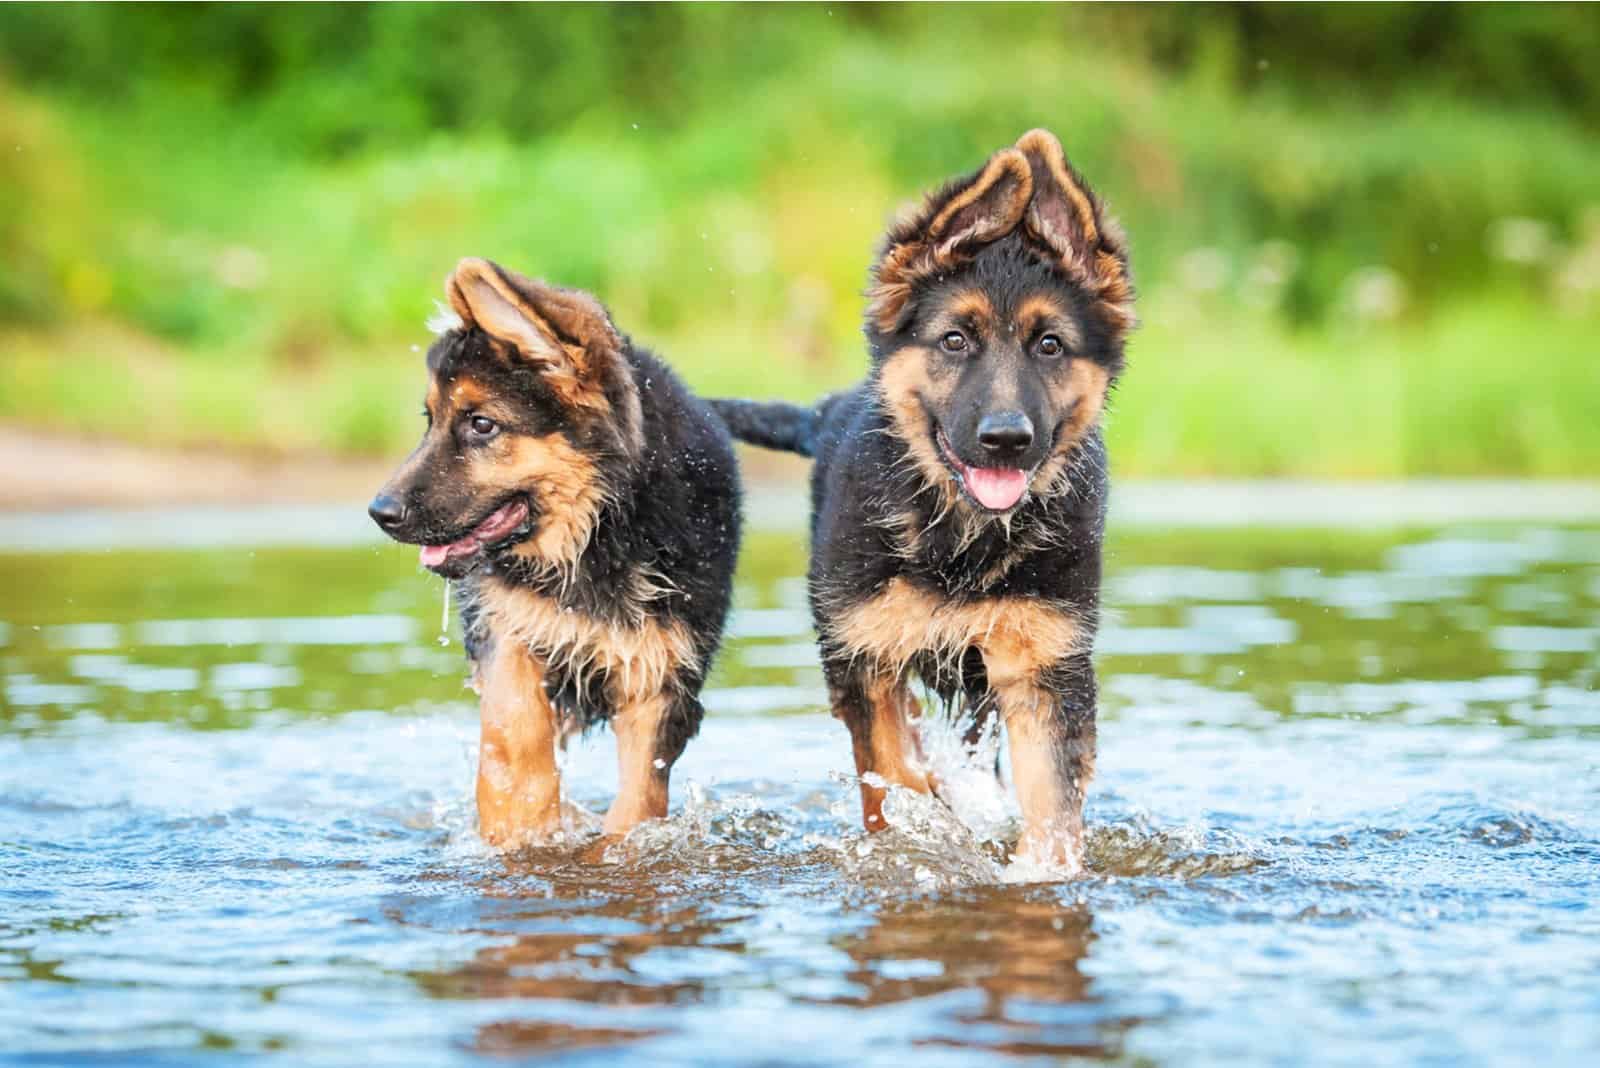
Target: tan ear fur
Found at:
x=990, y=207
x=951, y=227
x=1061, y=211
x=481, y=295
x=566, y=333
x=1064, y=216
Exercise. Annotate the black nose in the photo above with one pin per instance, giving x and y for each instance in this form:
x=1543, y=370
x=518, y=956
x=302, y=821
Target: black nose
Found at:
x=388, y=512
x=1005, y=433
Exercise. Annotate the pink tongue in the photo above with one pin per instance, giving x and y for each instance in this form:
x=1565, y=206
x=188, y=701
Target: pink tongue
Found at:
x=499, y=522
x=995, y=487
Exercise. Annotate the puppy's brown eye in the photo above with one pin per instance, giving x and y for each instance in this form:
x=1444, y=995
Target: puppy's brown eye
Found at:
x=1050, y=345
x=482, y=426
x=954, y=341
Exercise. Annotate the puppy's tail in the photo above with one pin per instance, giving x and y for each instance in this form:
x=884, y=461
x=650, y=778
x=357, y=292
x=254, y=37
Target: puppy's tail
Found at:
x=772, y=424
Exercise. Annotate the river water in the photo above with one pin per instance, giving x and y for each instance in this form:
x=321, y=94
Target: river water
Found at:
x=1347, y=811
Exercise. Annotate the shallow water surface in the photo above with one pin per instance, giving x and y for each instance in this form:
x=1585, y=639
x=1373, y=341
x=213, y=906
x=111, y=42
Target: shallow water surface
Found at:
x=1348, y=810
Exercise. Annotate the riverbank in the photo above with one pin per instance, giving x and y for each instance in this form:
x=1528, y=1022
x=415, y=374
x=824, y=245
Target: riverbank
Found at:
x=55, y=472
x=65, y=494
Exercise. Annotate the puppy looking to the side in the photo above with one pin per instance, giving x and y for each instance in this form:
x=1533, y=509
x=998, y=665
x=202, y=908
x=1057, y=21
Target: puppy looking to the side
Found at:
x=958, y=495
x=587, y=506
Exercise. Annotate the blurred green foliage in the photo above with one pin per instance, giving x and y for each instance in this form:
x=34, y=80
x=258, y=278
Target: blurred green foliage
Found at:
x=238, y=214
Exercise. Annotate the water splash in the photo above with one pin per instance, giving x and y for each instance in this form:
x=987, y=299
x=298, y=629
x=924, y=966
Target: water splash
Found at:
x=1323, y=826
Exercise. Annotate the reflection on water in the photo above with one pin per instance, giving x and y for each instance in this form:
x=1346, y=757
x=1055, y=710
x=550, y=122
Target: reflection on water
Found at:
x=1348, y=809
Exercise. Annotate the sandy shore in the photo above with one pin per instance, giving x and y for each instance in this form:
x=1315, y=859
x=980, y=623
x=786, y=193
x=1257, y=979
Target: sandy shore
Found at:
x=49, y=472
x=46, y=472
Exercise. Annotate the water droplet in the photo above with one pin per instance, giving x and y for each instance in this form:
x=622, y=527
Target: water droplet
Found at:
x=444, y=616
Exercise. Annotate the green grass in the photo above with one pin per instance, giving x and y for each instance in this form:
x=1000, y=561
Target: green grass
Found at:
x=1480, y=388
x=191, y=256
x=1463, y=393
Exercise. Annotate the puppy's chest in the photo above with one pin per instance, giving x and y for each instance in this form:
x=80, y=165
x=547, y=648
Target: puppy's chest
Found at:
x=904, y=623
x=635, y=653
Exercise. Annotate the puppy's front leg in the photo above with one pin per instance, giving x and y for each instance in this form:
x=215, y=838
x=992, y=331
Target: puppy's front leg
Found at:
x=1050, y=723
x=645, y=755
x=880, y=711
x=519, y=786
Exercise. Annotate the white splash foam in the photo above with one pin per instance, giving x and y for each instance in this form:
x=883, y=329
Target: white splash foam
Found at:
x=443, y=320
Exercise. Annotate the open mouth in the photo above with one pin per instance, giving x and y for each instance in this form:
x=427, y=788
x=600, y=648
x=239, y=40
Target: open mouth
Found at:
x=998, y=489
x=499, y=525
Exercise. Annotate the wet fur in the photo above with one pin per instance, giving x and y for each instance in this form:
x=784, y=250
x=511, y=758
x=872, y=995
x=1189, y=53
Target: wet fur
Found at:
x=612, y=599
x=910, y=579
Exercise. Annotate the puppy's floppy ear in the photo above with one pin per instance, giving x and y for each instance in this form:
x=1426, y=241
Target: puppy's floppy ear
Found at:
x=987, y=207
x=951, y=227
x=483, y=295
x=565, y=333
x=1066, y=217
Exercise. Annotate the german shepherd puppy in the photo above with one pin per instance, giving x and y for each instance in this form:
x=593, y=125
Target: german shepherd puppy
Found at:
x=588, y=507
x=959, y=492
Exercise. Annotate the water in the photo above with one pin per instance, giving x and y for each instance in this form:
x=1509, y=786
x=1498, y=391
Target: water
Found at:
x=1348, y=810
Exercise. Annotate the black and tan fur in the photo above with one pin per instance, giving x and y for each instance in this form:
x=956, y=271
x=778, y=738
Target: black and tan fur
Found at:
x=911, y=576
x=607, y=600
